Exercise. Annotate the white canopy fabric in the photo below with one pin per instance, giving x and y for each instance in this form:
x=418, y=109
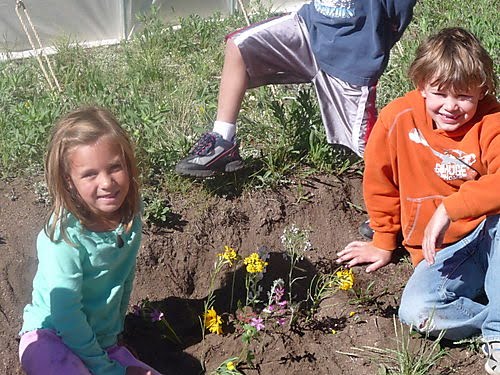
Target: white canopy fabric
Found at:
x=95, y=22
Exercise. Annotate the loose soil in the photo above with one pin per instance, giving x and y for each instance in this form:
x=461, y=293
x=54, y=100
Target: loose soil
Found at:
x=175, y=262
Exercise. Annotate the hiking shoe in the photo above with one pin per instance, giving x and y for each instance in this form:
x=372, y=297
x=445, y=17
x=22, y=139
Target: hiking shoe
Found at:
x=365, y=230
x=485, y=349
x=212, y=154
x=492, y=365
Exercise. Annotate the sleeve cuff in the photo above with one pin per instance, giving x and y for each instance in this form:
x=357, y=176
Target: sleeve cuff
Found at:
x=454, y=207
x=385, y=241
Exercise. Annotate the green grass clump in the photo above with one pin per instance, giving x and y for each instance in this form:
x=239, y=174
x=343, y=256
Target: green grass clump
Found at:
x=163, y=85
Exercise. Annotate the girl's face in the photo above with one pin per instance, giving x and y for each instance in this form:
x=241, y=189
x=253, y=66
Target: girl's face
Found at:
x=448, y=110
x=99, y=173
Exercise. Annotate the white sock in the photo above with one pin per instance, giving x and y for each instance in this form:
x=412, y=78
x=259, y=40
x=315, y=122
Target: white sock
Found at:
x=226, y=129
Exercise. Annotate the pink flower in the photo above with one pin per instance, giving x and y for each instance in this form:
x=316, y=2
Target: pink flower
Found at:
x=281, y=321
x=257, y=323
x=269, y=309
x=280, y=292
x=156, y=315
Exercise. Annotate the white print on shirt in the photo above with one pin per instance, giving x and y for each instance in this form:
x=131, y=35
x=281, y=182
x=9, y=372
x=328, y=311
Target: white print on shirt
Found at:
x=335, y=8
x=454, y=165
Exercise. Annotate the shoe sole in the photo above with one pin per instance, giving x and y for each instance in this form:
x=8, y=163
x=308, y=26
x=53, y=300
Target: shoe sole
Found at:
x=489, y=370
x=487, y=367
x=202, y=173
x=234, y=166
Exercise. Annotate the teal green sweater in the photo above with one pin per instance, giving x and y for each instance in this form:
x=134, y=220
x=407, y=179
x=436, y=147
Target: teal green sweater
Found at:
x=82, y=291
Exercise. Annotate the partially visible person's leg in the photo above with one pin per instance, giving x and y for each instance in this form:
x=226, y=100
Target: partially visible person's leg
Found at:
x=348, y=111
x=490, y=246
x=43, y=352
x=441, y=297
x=233, y=85
x=274, y=51
x=123, y=356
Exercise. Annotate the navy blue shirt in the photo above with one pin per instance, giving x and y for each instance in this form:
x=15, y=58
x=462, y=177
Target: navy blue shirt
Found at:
x=351, y=39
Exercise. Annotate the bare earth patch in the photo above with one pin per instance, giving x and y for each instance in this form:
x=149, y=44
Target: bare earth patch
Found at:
x=173, y=272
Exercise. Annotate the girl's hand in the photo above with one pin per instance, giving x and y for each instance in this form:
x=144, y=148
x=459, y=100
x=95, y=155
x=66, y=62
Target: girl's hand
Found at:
x=434, y=233
x=360, y=252
x=134, y=370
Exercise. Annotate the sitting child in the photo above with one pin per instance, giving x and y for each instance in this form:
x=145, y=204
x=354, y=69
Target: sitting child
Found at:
x=432, y=171
x=86, y=252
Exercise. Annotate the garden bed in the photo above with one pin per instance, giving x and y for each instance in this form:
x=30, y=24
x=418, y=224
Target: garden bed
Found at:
x=352, y=332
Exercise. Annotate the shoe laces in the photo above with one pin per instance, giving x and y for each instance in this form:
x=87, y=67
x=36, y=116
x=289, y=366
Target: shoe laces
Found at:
x=205, y=144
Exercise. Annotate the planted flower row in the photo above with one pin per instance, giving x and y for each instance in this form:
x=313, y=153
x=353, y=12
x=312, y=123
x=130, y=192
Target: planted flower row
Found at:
x=258, y=315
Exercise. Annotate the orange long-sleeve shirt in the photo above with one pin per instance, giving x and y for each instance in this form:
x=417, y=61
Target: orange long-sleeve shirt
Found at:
x=410, y=168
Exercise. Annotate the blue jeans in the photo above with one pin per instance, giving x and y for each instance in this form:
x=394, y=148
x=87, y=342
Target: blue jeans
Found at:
x=444, y=296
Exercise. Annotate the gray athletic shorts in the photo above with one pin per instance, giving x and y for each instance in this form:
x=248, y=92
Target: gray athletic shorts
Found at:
x=278, y=51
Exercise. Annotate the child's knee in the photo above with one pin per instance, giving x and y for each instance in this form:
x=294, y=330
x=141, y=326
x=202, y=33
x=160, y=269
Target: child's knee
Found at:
x=420, y=319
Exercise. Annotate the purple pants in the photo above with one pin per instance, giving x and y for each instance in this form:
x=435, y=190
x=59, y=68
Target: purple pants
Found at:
x=48, y=355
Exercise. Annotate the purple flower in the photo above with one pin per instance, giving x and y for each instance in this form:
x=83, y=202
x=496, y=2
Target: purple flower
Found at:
x=136, y=310
x=156, y=315
x=257, y=323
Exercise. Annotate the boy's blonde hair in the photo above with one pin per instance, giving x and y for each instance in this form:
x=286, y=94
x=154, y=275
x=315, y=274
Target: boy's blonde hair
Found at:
x=453, y=59
x=84, y=126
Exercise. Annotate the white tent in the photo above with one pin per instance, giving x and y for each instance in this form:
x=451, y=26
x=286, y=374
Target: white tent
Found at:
x=94, y=22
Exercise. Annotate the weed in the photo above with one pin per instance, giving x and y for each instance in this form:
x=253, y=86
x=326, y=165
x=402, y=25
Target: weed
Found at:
x=410, y=357
x=156, y=207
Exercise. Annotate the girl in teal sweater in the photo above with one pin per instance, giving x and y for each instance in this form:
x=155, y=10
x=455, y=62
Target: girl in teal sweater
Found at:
x=86, y=252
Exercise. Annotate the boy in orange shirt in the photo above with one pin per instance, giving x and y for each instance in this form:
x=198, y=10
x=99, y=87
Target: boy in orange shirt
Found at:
x=432, y=170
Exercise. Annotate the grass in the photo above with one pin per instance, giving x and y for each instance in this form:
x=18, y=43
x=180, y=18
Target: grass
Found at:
x=163, y=84
x=411, y=356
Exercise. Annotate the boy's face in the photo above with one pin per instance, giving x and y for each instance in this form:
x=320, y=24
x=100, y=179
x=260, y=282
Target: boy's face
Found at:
x=449, y=110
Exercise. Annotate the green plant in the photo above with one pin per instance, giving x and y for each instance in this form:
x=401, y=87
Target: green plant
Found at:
x=323, y=286
x=146, y=311
x=228, y=367
x=410, y=357
x=366, y=296
x=156, y=208
x=296, y=244
x=211, y=320
x=255, y=265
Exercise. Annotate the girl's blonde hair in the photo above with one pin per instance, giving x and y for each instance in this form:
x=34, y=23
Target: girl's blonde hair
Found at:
x=453, y=59
x=84, y=126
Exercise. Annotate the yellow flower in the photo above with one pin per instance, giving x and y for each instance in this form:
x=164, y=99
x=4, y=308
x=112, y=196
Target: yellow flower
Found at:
x=230, y=366
x=332, y=331
x=213, y=322
x=352, y=313
x=254, y=263
x=345, y=279
x=229, y=254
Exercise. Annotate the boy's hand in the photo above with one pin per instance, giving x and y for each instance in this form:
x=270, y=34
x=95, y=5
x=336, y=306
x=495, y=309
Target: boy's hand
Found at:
x=360, y=252
x=434, y=233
